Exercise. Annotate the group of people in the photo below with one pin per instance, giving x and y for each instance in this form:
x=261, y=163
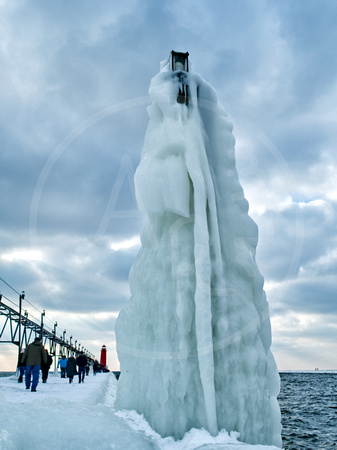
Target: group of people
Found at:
x=36, y=358
x=68, y=367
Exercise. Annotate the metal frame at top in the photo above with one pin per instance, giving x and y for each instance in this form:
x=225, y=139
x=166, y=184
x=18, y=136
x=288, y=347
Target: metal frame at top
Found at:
x=179, y=57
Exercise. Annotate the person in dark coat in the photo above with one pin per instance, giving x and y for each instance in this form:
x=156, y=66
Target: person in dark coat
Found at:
x=71, y=368
x=81, y=362
x=21, y=366
x=45, y=367
x=95, y=367
x=33, y=356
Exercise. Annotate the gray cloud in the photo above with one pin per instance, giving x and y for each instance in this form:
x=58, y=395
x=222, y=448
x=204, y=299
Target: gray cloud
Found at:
x=74, y=85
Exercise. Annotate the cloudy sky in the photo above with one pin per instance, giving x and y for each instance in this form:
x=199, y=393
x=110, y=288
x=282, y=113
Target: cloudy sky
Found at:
x=74, y=80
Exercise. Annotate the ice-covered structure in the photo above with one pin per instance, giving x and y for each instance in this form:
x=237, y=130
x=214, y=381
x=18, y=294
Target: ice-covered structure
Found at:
x=194, y=339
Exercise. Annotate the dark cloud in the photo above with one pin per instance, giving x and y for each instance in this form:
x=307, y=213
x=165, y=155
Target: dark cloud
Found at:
x=315, y=296
x=312, y=39
x=295, y=239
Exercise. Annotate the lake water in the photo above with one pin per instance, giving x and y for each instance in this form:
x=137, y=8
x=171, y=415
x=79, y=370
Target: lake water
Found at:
x=308, y=403
x=6, y=374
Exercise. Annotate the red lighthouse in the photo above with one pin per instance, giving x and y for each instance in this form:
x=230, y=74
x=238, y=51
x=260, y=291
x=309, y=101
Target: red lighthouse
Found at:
x=103, y=357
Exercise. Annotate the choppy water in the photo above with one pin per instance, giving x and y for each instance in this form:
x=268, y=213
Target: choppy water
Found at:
x=6, y=374
x=308, y=403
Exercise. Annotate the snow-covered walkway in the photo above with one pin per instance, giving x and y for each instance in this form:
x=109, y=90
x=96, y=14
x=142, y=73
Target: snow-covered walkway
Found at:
x=81, y=416
x=92, y=391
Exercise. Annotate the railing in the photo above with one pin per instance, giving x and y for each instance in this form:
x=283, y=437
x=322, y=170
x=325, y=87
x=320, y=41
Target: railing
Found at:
x=23, y=330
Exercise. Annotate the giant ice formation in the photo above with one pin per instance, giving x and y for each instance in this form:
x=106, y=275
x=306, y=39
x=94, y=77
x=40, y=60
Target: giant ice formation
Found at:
x=194, y=339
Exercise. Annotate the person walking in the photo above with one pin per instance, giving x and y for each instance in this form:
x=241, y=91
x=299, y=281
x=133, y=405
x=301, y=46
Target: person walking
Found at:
x=21, y=366
x=95, y=367
x=45, y=367
x=63, y=365
x=33, y=356
x=81, y=362
x=71, y=368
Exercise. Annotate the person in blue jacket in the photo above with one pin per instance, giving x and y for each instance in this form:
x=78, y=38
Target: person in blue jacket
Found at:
x=63, y=365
